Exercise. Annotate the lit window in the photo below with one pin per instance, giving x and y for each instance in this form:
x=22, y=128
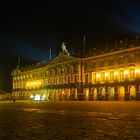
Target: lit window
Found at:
x=132, y=73
x=111, y=75
x=93, y=77
x=116, y=73
x=121, y=73
x=98, y=77
x=103, y=76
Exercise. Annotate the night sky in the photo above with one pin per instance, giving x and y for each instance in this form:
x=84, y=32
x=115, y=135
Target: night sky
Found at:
x=29, y=29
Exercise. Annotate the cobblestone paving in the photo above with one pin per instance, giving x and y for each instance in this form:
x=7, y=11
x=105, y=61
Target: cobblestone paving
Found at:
x=70, y=120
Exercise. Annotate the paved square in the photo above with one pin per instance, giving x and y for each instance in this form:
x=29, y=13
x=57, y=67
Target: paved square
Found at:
x=73, y=120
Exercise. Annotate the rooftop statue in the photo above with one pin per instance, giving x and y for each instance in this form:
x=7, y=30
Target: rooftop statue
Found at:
x=64, y=48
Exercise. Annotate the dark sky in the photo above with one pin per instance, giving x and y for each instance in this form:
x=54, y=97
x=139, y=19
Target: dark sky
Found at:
x=28, y=29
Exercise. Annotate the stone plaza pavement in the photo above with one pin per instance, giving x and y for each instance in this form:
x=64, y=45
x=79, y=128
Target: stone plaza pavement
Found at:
x=75, y=120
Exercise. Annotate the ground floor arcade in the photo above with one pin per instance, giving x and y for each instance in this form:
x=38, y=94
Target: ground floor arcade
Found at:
x=92, y=93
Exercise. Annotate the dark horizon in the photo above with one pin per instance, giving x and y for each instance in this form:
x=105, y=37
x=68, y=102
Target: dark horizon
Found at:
x=28, y=30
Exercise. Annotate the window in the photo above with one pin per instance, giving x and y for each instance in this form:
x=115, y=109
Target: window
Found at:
x=63, y=70
x=110, y=63
x=60, y=71
x=30, y=75
x=121, y=73
x=51, y=81
x=76, y=78
x=60, y=80
x=57, y=80
x=97, y=63
x=102, y=76
x=51, y=72
x=48, y=72
x=63, y=80
x=102, y=63
x=93, y=77
x=132, y=73
x=90, y=76
x=68, y=79
x=57, y=71
x=120, y=60
x=111, y=75
x=131, y=58
x=86, y=78
x=93, y=65
x=76, y=68
x=45, y=73
x=46, y=81
x=86, y=65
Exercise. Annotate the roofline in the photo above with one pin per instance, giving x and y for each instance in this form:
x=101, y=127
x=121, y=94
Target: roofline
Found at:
x=113, y=53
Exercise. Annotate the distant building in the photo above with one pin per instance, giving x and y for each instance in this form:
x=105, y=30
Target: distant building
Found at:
x=111, y=74
x=4, y=96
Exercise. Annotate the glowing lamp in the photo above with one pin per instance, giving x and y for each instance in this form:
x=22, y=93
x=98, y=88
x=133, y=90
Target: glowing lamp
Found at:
x=115, y=73
x=31, y=96
x=37, y=97
x=137, y=71
x=125, y=72
x=44, y=96
x=106, y=74
x=98, y=75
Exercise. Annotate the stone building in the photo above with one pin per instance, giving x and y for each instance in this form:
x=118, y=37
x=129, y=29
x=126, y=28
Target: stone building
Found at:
x=4, y=96
x=108, y=74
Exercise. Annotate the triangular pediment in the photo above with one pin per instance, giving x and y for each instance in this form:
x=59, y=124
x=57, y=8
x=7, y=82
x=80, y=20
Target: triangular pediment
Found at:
x=16, y=71
x=61, y=58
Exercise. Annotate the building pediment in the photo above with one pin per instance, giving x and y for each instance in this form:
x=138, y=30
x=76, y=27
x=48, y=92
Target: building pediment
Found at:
x=62, y=58
x=16, y=71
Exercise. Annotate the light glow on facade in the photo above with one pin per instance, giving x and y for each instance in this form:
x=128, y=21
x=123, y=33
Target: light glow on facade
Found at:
x=38, y=97
x=126, y=72
x=106, y=76
x=33, y=84
x=116, y=73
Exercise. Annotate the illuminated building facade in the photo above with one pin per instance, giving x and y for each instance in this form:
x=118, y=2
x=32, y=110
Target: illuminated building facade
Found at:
x=111, y=75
